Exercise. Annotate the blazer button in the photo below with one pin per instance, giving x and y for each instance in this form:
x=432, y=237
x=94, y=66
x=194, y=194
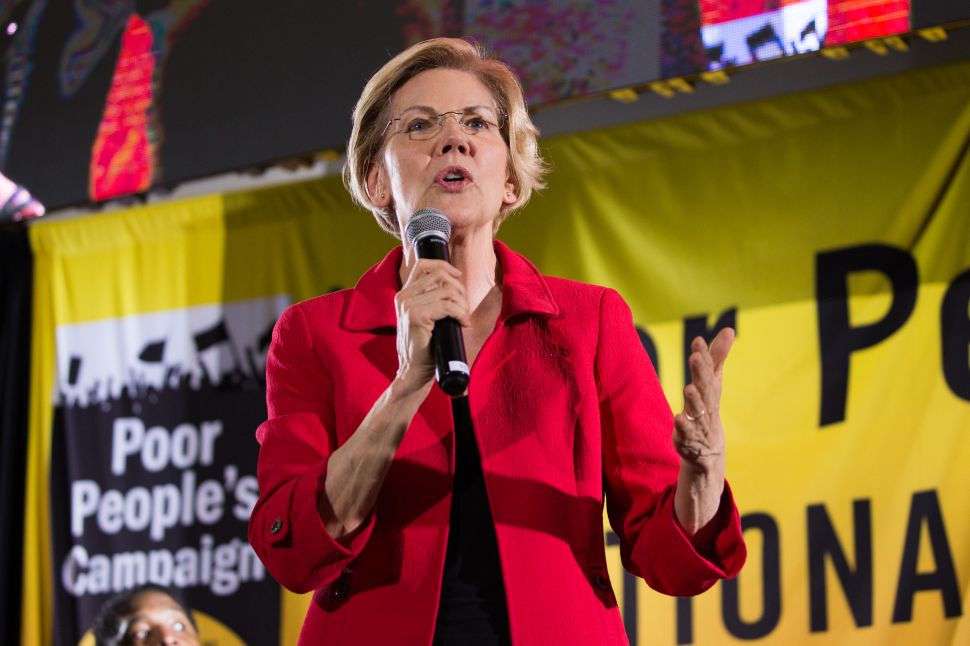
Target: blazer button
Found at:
x=276, y=526
x=601, y=582
x=341, y=588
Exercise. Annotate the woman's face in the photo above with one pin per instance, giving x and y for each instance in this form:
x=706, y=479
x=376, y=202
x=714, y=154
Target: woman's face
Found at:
x=463, y=174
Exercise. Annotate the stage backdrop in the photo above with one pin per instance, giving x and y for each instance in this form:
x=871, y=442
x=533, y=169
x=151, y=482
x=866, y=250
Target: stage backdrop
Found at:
x=123, y=96
x=831, y=229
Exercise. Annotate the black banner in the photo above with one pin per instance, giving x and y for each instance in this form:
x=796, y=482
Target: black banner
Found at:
x=153, y=465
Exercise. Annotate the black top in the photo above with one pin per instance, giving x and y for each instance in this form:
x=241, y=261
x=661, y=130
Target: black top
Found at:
x=473, y=610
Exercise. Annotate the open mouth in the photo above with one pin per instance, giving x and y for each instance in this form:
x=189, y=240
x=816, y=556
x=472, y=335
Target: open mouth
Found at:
x=453, y=178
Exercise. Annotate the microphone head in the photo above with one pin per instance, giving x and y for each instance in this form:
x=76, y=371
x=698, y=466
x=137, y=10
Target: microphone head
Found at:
x=427, y=222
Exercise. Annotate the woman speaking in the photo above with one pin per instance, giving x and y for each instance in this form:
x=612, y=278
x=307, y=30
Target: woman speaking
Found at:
x=422, y=518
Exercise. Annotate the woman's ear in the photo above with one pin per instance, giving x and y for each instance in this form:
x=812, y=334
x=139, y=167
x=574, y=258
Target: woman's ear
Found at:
x=511, y=192
x=377, y=187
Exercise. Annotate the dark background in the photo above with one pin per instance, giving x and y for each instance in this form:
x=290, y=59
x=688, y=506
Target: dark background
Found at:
x=249, y=83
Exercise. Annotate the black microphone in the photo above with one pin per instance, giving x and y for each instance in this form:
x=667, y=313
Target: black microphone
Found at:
x=428, y=231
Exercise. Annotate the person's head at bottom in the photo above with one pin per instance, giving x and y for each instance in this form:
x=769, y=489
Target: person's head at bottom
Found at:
x=148, y=615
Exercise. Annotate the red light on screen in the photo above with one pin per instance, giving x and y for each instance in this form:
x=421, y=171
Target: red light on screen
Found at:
x=123, y=151
x=854, y=20
x=714, y=12
x=739, y=32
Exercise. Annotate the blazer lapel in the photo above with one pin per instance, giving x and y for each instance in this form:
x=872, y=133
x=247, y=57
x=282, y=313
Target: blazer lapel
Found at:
x=371, y=303
x=524, y=291
x=370, y=309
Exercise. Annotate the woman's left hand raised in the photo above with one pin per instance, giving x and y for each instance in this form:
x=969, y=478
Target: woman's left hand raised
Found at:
x=699, y=434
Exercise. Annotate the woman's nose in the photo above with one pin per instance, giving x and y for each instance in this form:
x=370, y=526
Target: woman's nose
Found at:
x=453, y=137
x=460, y=146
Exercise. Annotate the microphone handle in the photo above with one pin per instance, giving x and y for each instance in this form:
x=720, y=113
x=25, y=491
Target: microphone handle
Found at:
x=447, y=343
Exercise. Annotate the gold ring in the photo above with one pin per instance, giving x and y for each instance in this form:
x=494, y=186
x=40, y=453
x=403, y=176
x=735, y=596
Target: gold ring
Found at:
x=691, y=418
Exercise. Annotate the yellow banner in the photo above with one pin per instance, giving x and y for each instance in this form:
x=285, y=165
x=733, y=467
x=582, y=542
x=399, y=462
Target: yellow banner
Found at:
x=830, y=228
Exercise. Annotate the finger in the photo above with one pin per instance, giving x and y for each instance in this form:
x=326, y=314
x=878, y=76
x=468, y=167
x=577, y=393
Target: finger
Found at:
x=699, y=344
x=434, y=287
x=449, y=280
x=702, y=373
x=720, y=347
x=695, y=407
x=437, y=281
x=459, y=312
x=425, y=263
x=699, y=347
x=420, y=279
x=426, y=266
x=432, y=306
x=429, y=305
x=682, y=429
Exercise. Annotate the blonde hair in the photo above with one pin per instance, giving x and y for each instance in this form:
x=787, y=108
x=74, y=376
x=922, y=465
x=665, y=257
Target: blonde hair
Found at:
x=372, y=112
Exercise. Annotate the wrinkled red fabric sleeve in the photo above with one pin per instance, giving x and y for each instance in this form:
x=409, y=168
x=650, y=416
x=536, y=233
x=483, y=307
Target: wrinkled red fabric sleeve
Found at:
x=641, y=466
x=285, y=528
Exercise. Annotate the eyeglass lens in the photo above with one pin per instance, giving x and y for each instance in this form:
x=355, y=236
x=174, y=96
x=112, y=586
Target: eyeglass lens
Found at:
x=421, y=123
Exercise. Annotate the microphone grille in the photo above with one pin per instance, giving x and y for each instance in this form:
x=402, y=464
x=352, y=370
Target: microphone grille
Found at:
x=425, y=222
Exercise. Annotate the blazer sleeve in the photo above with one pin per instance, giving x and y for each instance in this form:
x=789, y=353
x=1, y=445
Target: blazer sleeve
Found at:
x=286, y=528
x=641, y=466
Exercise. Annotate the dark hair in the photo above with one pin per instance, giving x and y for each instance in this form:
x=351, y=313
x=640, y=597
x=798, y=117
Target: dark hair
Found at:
x=108, y=626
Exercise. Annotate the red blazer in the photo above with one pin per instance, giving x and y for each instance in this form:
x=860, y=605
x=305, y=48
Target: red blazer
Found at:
x=566, y=408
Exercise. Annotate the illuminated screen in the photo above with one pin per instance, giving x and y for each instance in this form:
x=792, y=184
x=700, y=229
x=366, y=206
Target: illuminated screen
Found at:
x=741, y=32
x=106, y=98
